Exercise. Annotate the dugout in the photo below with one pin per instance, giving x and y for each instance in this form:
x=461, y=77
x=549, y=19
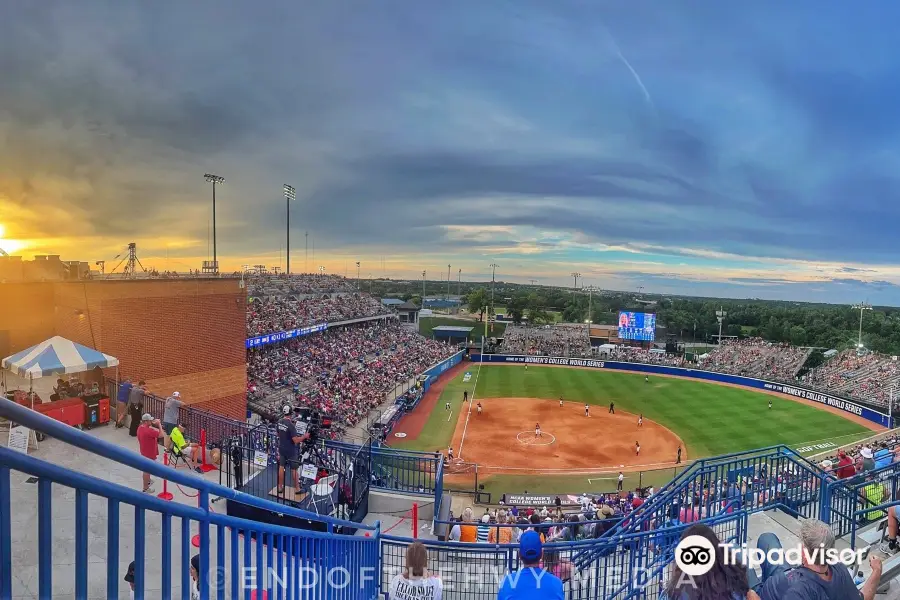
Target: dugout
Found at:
x=452, y=334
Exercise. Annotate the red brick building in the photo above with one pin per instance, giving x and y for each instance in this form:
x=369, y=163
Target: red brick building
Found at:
x=186, y=335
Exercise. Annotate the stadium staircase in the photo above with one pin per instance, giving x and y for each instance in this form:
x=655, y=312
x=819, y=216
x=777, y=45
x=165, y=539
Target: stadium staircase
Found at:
x=743, y=494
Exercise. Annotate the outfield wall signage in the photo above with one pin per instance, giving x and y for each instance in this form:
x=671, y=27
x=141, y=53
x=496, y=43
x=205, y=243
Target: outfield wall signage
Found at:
x=839, y=403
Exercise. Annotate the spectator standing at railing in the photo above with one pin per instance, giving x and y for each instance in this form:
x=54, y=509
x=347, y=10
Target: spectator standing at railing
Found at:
x=122, y=402
x=135, y=406
x=484, y=529
x=531, y=582
x=415, y=582
x=148, y=435
x=170, y=415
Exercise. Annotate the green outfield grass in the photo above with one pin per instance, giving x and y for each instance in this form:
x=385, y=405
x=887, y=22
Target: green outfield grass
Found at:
x=711, y=419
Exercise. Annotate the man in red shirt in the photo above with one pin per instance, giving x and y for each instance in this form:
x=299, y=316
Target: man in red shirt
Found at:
x=148, y=435
x=845, y=467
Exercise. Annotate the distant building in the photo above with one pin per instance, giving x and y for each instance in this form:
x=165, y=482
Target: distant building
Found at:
x=408, y=312
x=13, y=269
x=391, y=302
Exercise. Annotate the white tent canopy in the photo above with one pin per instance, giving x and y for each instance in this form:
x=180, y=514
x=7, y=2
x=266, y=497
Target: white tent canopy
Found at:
x=56, y=356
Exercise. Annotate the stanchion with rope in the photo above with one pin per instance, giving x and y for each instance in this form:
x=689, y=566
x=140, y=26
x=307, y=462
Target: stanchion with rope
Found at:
x=205, y=467
x=415, y=520
x=165, y=494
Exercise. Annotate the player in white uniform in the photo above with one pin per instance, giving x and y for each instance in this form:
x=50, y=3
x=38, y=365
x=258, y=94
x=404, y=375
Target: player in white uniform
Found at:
x=587, y=410
x=537, y=430
x=637, y=448
x=560, y=401
x=640, y=420
x=478, y=406
x=450, y=452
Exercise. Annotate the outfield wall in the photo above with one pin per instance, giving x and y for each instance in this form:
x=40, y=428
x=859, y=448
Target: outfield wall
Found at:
x=759, y=384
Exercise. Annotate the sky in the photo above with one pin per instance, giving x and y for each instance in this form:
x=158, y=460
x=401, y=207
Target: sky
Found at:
x=741, y=149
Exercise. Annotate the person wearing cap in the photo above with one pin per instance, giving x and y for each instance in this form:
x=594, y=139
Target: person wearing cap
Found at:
x=868, y=459
x=148, y=434
x=531, y=582
x=170, y=415
x=288, y=438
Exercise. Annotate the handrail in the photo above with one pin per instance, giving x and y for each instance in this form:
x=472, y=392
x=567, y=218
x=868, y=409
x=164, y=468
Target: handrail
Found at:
x=79, y=439
x=98, y=487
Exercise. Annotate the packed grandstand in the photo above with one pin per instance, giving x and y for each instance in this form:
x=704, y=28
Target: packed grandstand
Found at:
x=345, y=371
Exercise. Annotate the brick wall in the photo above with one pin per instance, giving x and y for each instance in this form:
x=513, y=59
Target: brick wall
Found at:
x=183, y=335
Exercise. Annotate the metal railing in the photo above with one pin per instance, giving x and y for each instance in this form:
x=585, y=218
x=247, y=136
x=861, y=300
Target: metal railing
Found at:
x=249, y=554
x=848, y=504
x=627, y=567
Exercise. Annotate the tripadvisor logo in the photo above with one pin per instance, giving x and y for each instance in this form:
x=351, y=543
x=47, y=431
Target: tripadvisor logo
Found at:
x=695, y=556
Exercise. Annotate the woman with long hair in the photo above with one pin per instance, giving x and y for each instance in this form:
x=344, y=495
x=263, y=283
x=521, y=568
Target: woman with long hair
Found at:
x=722, y=582
x=415, y=581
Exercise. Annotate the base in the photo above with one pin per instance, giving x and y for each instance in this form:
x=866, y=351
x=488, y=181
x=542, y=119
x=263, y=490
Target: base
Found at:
x=165, y=495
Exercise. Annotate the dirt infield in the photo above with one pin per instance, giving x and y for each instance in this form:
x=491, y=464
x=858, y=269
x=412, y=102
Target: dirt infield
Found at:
x=503, y=437
x=849, y=416
x=412, y=423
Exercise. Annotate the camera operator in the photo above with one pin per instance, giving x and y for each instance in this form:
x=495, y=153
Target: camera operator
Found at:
x=288, y=440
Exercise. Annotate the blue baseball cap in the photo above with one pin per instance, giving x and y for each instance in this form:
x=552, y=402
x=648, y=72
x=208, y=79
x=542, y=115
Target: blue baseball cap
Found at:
x=530, y=547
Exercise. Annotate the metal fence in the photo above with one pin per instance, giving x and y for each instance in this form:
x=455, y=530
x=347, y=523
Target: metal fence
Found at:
x=249, y=555
x=847, y=504
x=630, y=567
x=746, y=481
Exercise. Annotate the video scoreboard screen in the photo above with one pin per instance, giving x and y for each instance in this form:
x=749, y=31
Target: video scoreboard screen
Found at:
x=637, y=326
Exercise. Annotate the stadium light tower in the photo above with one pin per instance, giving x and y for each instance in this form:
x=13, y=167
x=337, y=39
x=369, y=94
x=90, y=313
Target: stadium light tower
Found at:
x=289, y=194
x=576, y=276
x=448, y=283
x=357, y=276
x=493, y=279
x=458, y=288
x=214, y=180
x=864, y=306
x=720, y=317
x=423, y=289
x=590, y=290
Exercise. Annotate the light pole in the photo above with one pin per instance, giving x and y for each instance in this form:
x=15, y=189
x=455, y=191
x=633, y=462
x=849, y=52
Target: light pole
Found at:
x=448, y=283
x=493, y=278
x=458, y=290
x=720, y=317
x=289, y=194
x=243, y=270
x=423, y=289
x=861, y=307
x=306, y=259
x=214, y=180
x=321, y=270
x=357, y=277
x=576, y=276
x=590, y=291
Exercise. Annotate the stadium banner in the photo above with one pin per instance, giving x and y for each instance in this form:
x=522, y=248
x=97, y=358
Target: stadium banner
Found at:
x=791, y=390
x=271, y=338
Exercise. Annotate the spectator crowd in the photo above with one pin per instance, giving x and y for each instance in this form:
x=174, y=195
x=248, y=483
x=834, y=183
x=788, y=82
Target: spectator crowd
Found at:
x=548, y=340
x=269, y=314
x=755, y=357
x=344, y=372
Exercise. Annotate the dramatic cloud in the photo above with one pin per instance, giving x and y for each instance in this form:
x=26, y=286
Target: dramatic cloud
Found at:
x=744, y=149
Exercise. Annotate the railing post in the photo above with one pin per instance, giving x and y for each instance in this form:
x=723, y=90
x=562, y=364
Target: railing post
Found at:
x=415, y=520
x=205, y=467
x=825, y=501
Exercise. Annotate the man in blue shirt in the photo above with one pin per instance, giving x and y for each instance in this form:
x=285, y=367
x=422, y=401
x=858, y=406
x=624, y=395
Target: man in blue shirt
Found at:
x=531, y=582
x=122, y=401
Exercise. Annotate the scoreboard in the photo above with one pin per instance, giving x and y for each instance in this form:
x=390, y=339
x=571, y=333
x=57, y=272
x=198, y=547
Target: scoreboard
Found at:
x=637, y=326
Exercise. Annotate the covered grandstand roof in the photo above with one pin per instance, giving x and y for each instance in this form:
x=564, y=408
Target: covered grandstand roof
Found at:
x=453, y=329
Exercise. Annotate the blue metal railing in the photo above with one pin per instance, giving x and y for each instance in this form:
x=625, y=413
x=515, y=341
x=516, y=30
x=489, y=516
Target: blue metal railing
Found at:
x=266, y=548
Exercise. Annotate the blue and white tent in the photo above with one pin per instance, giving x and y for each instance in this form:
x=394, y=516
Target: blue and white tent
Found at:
x=56, y=356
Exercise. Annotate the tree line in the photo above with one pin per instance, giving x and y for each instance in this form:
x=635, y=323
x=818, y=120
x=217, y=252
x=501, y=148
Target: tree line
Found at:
x=823, y=326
